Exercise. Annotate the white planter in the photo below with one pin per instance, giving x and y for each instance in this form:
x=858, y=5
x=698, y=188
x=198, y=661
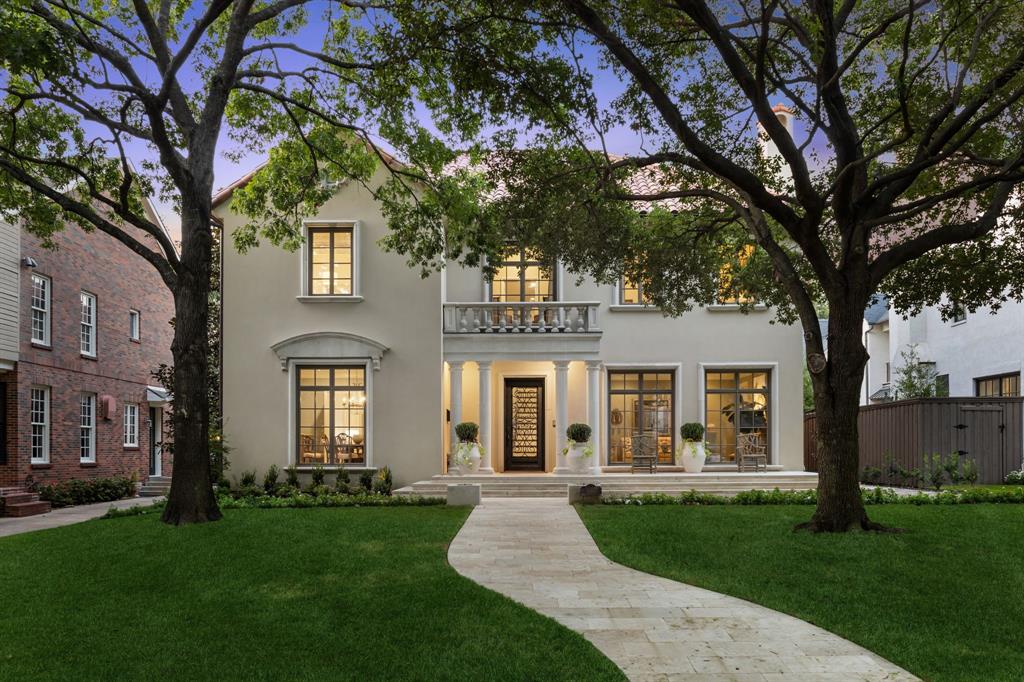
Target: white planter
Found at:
x=467, y=463
x=577, y=462
x=693, y=456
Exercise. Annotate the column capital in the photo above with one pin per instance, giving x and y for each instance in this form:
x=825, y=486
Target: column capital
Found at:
x=456, y=364
x=593, y=364
x=561, y=364
x=484, y=364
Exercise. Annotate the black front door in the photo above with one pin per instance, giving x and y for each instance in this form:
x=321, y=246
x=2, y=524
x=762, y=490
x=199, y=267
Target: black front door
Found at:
x=524, y=424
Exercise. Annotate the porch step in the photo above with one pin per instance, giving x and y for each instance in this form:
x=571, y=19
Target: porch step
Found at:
x=547, y=485
x=156, y=486
x=23, y=504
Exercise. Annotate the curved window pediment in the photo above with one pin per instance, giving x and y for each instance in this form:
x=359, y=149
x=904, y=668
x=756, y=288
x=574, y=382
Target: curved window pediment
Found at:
x=328, y=346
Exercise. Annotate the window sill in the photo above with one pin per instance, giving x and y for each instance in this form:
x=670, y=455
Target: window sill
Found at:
x=131, y=447
x=957, y=324
x=329, y=299
x=627, y=308
x=41, y=346
x=87, y=465
x=134, y=340
x=88, y=357
x=732, y=307
x=41, y=465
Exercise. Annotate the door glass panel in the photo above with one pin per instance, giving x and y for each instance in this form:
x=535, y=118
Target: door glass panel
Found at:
x=525, y=421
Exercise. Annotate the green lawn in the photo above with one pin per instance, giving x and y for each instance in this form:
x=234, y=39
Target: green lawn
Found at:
x=289, y=594
x=945, y=600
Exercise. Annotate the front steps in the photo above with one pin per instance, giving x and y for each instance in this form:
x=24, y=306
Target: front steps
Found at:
x=18, y=504
x=156, y=486
x=617, y=484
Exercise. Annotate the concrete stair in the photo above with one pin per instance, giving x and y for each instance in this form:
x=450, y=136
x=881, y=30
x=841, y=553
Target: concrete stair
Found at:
x=156, y=486
x=23, y=504
x=617, y=484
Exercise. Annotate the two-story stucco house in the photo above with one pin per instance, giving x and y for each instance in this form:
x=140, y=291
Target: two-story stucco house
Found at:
x=340, y=355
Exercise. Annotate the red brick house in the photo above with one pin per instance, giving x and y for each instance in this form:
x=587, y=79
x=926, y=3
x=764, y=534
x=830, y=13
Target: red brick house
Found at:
x=82, y=328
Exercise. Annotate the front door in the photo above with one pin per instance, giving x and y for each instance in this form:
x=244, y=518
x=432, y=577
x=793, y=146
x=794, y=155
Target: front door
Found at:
x=156, y=436
x=524, y=424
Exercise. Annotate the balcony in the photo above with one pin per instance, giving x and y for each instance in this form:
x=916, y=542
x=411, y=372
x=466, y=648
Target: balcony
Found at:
x=558, y=317
x=534, y=330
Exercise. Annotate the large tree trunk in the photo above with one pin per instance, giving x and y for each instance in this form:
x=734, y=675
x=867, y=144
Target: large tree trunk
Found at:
x=191, y=499
x=837, y=388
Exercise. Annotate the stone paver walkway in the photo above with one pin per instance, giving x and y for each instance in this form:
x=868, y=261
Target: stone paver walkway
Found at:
x=68, y=515
x=538, y=552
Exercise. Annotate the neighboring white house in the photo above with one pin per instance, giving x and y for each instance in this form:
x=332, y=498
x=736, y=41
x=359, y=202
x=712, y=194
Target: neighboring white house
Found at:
x=339, y=354
x=975, y=354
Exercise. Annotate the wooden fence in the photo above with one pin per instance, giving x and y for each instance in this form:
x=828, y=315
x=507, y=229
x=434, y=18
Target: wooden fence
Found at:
x=987, y=430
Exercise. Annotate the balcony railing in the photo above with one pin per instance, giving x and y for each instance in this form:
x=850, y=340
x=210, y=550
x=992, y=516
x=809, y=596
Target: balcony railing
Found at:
x=562, y=317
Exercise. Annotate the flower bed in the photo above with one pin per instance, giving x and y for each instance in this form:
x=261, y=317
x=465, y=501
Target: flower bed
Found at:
x=810, y=497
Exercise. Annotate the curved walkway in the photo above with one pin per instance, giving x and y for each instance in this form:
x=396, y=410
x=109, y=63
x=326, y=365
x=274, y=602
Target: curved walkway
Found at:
x=539, y=553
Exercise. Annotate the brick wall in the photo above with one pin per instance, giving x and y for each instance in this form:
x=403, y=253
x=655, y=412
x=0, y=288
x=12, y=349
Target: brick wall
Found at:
x=121, y=281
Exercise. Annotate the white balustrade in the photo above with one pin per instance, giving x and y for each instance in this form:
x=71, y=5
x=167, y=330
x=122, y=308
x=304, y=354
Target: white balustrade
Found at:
x=549, y=317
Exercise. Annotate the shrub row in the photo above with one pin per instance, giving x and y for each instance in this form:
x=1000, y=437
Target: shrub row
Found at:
x=90, y=491
x=810, y=497
x=380, y=482
x=325, y=499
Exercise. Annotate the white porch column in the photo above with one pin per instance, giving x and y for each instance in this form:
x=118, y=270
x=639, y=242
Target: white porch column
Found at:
x=594, y=410
x=455, y=402
x=561, y=414
x=487, y=463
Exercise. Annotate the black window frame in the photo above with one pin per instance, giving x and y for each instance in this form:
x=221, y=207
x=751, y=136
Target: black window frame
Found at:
x=737, y=390
x=331, y=230
x=522, y=264
x=330, y=388
x=999, y=379
x=641, y=393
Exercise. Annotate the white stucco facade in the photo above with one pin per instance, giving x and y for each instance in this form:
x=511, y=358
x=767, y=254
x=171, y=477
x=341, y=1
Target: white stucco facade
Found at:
x=979, y=346
x=412, y=336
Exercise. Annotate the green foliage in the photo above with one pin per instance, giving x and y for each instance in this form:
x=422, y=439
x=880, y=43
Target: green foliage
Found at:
x=366, y=480
x=879, y=495
x=808, y=391
x=323, y=497
x=292, y=476
x=970, y=471
x=270, y=478
x=467, y=431
x=135, y=510
x=1015, y=478
x=692, y=431
x=382, y=481
x=89, y=491
x=342, y=482
x=578, y=433
x=914, y=378
x=247, y=479
x=318, y=475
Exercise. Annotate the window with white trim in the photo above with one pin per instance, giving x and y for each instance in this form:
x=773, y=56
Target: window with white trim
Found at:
x=88, y=325
x=40, y=309
x=87, y=428
x=40, y=415
x=131, y=426
x=134, y=325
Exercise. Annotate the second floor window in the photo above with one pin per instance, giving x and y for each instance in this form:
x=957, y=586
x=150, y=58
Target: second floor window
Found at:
x=997, y=386
x=632, y=293
x=728, y=293
x=330, y=261
x=40, y=309
x=88, y=324
x=521, y=276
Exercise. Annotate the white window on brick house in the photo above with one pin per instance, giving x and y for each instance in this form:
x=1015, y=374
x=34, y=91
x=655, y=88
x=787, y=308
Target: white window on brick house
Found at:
x=87, y=428
x=134, y=325
x=40, y=309
x=131, y=426
x=40, y=416
x=88, y=324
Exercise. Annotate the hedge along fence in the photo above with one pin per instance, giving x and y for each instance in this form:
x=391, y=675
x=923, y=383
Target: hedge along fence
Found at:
x=903, y=433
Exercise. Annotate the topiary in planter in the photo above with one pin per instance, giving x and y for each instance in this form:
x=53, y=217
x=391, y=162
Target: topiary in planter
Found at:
x=692, y=431
x=578, y=433
x=467, y=431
